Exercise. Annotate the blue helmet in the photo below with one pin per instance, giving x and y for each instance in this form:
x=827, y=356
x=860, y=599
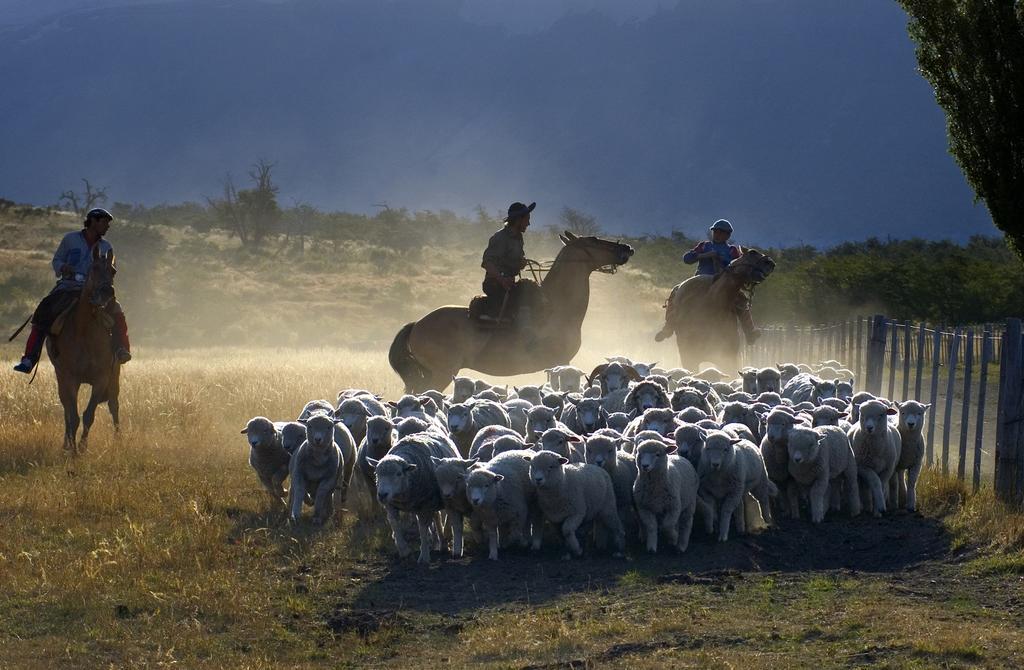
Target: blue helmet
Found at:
x=722, y=224
x=99, y=213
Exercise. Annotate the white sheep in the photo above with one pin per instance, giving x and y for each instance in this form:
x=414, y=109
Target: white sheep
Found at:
x=267, y=455
x=645, y=395
x=769, y=380
x=563, y=442
x=689, y=439
x=380, y=437
x=463, y=389
x=518, y=411
x=820, y=458
x=354, y=411
x=774, y=445
x=531, y=394
x=406, y=483
x=586, y=416
x=665, y=493
x=911, y=455
x=466, y=419
x=618, y=421
x=315, y=407
x=603, y=451
x=738, y=412
x=482, y=447
x=451, y=476
x=729, y=469
x=539, y=419
x=877, y=446
x=504, y=501
x=315, y=469
x=570, y=495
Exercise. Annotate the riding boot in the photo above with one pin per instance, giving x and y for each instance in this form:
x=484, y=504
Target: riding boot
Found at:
x=33, y=349
x=670, y=322
x=750, y=333
x=122, y=346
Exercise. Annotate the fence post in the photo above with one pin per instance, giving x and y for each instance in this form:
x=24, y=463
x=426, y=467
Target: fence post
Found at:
x=934, y=397
x=954, y=353
x=986, y=356
x=920, y=361
x=858, y=371
x=894, y=359
x=876, y=356
x=961, y=468
x=906, y=360
x=1009, y=436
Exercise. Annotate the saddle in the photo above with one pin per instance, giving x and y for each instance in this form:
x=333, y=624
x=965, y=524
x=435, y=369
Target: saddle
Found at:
x=500, y=313
x=100, y=315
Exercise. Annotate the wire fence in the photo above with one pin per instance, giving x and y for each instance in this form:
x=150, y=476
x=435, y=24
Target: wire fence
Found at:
x=958, y=371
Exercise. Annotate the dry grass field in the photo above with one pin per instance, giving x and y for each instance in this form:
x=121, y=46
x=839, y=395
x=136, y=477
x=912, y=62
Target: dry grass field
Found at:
x=158, y=548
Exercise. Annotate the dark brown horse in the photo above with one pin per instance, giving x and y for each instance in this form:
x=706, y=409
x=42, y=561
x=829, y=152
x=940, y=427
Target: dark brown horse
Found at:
x=82, y=354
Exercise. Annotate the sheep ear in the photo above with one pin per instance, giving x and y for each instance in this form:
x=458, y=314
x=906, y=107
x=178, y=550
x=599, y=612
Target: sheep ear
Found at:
x=436, y=461
x=499, y=478
x=670, y=448
x=736, y=440
x=631, y=414
x=927, y=407
x=575, y=438
x=563, y=460
x=372, y=462
x=244, y=430
x=469, y=462
x=892, y=410
x=393, y=404
x=843, y=415
x=409, y=467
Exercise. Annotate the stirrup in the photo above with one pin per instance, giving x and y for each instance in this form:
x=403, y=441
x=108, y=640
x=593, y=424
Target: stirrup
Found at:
x=25, y=366
x=122, y=355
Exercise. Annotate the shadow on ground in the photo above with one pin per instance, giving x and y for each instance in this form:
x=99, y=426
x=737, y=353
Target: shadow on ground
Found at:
x=450, y=587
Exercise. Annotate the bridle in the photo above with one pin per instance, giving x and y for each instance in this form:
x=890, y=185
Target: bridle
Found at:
x=539, y=269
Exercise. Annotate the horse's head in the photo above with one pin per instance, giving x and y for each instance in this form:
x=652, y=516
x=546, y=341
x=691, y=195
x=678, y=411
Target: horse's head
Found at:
x=599, y=254
x=99, y=284
x=753, y=266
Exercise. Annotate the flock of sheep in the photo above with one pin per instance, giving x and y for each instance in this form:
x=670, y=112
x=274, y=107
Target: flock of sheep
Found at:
x=630, y=451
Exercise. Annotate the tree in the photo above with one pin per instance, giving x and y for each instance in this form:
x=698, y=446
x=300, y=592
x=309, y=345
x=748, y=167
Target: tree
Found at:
x=972, y=53
x=253, y=213
x=579, y=223
x=80, y=203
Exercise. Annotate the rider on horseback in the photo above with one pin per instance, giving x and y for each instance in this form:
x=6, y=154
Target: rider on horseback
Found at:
x=503, y=260
x=71, y=264
x=711, y=258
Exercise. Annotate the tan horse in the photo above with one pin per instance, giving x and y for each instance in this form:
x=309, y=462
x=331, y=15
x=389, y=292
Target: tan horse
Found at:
x=704, y=312
x=429, y=352
x=82, y=354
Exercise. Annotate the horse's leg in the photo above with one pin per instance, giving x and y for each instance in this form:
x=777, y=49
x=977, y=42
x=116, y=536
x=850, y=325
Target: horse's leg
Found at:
x=89, y=415
x=113, y=403
x=68, y=392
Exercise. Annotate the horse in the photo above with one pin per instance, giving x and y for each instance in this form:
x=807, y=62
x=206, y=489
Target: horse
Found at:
x=703, y=311
x=428, y=353
x=81, y=353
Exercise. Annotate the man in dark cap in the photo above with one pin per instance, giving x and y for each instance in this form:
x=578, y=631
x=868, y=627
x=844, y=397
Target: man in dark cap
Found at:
x=71, y=264
x=503, y=260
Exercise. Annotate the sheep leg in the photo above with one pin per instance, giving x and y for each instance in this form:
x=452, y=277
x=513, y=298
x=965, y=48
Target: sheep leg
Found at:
x=793, y=494
x=423, y=522
x=492, y=542
x=727, y=511
x=455, y=520
x=901, y=488
x=835, y=502
x=569, y=527
x=707, y=510
x=398, y=532
x=272, y=484
x=819, y=489
x=852, y=491
x=536, y=529
x=439, y=533
x=613, y=524
x=650, y=525
x=739, y=517
x=764, y=501
x=875, y=488
x=670, y=523
x=685, y=528
x=298, y=495
x=912, y=474
x=324, y=502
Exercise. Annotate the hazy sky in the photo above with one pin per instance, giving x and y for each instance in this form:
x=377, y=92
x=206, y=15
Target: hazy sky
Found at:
x=800, y=120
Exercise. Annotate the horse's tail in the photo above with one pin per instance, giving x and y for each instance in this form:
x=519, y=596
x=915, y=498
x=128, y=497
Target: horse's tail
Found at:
x=404, y=363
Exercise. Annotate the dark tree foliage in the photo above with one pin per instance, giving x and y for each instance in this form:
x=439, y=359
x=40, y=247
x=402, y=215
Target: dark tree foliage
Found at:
x=972, y=53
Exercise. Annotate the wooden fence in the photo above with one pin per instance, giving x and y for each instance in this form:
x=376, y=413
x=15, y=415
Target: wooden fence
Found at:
x=949, y=368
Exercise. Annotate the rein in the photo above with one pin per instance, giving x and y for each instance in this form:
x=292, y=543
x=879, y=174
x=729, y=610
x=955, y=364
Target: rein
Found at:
x=538, y=269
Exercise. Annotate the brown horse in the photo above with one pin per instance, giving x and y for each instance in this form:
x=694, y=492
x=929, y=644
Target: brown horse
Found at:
x=703, y=312
x=429, y=352
x=82, y=354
